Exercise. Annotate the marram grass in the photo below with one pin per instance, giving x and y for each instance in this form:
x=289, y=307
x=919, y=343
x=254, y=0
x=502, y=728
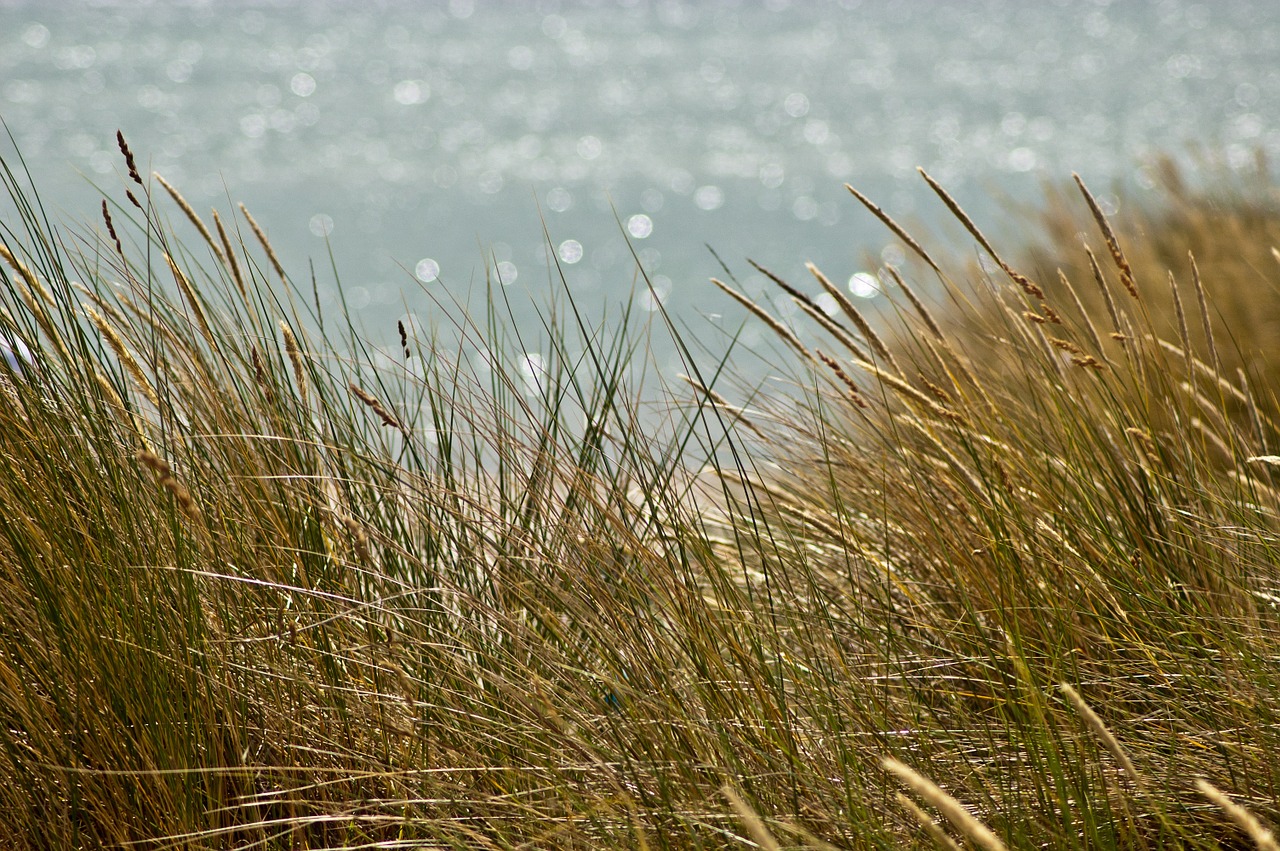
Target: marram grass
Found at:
x=1000, y=570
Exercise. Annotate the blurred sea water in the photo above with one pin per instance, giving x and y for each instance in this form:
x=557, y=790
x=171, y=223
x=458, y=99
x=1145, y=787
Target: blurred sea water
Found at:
x=432, y=144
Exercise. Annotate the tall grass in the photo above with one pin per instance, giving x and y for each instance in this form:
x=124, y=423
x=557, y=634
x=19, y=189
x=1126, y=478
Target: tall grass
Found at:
x=1002, y=572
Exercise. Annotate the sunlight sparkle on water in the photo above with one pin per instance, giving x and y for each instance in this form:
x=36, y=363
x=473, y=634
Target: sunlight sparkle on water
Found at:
x=571, y=251
x=864, y=285
x=709, y=197
x=321, y=224
x=640, y=226
x=427, y=270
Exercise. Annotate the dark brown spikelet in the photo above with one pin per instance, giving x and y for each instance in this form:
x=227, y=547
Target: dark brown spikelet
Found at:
x=376, y=406
x=260, y=372
x=128, y=158
x=133, y=199
x=111, y=229
x=404, y=338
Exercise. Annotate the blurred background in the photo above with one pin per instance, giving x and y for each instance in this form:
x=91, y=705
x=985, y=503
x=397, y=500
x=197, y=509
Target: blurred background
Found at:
x=430, y=143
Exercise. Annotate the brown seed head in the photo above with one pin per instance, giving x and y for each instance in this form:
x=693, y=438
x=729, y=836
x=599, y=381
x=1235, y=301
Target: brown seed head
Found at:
x=129, y=160
x=106, y=217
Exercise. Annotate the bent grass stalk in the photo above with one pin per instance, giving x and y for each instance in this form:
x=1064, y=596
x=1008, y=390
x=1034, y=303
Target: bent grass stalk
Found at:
x=264, y=242
x=931, y=827
x=126, y=357
x=954, y=812
x=192, y=217
x=1099, y=729
x=763, y=315
x=1247, y=821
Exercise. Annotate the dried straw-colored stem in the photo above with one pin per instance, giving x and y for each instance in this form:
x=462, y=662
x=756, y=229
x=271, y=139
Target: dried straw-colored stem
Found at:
x=785, y=503
x=923, y=311
x=1084, y=314
x=855, y=393
x=835, y=329
x=166, y=480
x=263, y=241
x=157, y=324
x=109, y=392
x=1205, y=369
x=953, y=463
x=864, y=327
x=106, y=307
x=192, y=217
x=739, y=414
x=783, y=285
x=1028, y=286
x=26, y=274
x=189, y=296
x=295, y=358
x=951, y=809
x=116, y=342
x=1251, y=403
x=897, y=229
x=1182, y=325
x=750, y=820
x=1212, y=436
x=229, y=259
x=29, y=287
x=931, y=827
x=905, y=389
x=1203, y=303
x=1099, y=729
x=113, y=399
x=1247, y=821
x=359, y=538
x=1101, y=281
x=810, y=307
x=1113, y=245
x=763, y=315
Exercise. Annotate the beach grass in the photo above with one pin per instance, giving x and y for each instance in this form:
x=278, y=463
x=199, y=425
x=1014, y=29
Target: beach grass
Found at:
x=997, y=567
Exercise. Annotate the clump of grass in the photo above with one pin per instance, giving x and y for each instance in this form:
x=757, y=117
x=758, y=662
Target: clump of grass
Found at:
x=265, y=587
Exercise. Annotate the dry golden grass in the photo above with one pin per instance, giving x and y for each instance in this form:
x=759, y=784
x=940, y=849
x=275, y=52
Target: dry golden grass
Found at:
x=240, y=611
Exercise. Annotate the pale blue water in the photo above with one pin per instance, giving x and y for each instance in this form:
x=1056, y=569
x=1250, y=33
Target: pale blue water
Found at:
x=425, y=138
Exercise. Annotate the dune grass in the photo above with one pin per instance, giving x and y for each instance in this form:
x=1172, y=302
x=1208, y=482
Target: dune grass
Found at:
x=1000, y=570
